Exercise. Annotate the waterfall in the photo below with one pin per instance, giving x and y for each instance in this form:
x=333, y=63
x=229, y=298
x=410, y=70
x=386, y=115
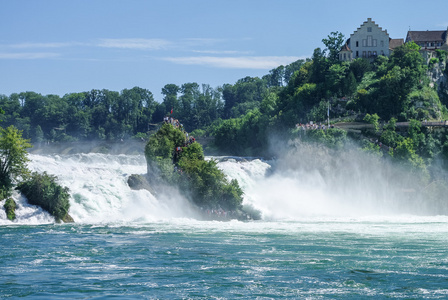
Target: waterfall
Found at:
x=300, y=185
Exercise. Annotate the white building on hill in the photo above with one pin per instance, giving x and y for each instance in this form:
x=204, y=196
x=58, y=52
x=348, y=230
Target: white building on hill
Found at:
x=368, y=41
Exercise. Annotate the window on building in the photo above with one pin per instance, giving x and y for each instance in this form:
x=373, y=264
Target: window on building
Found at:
x=364, y=54
x=374, y=43
x=374, y=53
x=345, y=56
x=382, y=52
x=357, y=44
x=382, y=43
x=357, y=54
x=369, y=41
x=369, y=29
x=364, y=43
x=370, y=54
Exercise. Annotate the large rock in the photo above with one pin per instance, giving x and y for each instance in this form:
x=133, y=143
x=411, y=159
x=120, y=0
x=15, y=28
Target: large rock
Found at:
x=139, y=182
x=68, y=219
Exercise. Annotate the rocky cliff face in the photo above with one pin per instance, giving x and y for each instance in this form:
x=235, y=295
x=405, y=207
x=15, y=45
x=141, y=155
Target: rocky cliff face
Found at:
x=438, y=73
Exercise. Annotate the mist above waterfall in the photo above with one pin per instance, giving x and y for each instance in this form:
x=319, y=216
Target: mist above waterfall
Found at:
x=311, y=180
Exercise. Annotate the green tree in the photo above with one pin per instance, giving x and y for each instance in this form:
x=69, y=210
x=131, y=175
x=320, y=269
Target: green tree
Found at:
x=334, y=43
x=406, y=155
x=374, y=121
x=170, y=100
x=13, y=158
x=389, y=136
x=201, y=180
x=359, y=67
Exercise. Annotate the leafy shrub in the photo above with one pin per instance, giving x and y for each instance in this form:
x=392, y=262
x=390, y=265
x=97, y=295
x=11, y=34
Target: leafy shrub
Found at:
x=441, y=54
x=198, y=133
x=332, y=137
x=43, y=190
x=10, y=208
x=433, y=61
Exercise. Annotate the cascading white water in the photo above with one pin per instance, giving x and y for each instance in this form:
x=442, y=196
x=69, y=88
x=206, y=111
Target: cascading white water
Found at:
x=308, y=180
x=301, y=184
x=99, y=190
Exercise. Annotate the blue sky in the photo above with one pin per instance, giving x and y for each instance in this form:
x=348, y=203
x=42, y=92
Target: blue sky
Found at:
x=59, y=47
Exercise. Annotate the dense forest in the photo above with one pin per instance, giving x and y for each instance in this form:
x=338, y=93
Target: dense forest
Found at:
x=242, y=117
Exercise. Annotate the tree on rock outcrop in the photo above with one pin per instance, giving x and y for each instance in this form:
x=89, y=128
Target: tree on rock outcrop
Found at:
x=13, y=158
x=43, y=190
x=180, y=161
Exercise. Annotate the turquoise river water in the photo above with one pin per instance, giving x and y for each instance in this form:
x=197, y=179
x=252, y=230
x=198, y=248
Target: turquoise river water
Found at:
x=131, y=245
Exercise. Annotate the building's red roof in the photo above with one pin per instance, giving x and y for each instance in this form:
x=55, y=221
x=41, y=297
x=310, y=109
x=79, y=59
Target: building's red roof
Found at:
x=346, y=47
x=394, y=43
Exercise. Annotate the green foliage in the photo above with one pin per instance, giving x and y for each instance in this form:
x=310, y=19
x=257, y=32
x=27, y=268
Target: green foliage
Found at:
x=200, y=179
x=243, y=136
x=433, y=61
x=10, y=208
x=163, y=142
x=372, y=148
x=441, y=54
x=209, y=186
x=406, y=154
x=332, y=137
x=319, y=112
x=340, y=81
x=246, y=93
x=269, y=104
x=141, y=136
x=427, y=103
x=97, y=114
x=43, y=190
x=334, y=42
x=373, y=119
x=389, y=136
x=386, y=89
x=359, y=67
x=198, y=133
x=13, y=158
x=192, y=152
x=414, y=132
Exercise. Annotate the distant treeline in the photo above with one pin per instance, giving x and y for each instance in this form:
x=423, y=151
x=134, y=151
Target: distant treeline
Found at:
x=111, y=115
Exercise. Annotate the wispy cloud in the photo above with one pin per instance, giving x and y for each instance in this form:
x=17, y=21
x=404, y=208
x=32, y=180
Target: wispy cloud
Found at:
x=201, y=41
x=242, y=62
x=140, y=44
x=29, y=55
x=45, y=45
x=222, y=52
